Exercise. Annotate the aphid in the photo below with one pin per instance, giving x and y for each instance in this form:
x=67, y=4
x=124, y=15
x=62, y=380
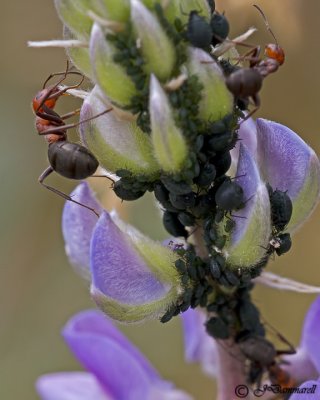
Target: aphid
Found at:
x=68, y=159
x=281, y=208
x=262, y=356
x=246, y=82
x=126, y=194
x=229, y=196
x=281, y=244
x=173, y=225
x=199, y=32
x=220, y=28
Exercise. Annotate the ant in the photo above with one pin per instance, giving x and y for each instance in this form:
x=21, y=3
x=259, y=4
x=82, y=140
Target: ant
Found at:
x=262, y=356
x=246, y=83
x=68, y=159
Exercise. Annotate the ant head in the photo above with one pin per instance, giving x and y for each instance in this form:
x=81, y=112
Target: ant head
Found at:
x=44, y=97
x=273, y=51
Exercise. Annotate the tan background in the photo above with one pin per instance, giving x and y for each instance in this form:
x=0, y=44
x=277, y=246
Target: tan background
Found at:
x=38, y=289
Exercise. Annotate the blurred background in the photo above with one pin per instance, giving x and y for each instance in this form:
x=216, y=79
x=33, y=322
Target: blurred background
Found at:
x=38, y=289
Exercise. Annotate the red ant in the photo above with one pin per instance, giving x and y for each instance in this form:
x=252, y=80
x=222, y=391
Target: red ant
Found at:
x=68, y=159
x=246, y=83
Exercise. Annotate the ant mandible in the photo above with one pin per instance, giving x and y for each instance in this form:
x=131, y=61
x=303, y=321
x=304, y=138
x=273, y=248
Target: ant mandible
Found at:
x=68, y=159
x=246, y=83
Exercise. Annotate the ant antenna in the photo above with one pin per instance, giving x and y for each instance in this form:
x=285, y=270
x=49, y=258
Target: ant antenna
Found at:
x=266, y=22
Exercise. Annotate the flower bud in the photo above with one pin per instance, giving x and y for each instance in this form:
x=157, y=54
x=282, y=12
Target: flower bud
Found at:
x=156, y=47
x=117, y=144
x=117, y=10
x=133, y=277
x=216, y=100
x=169, y=145
x=110, y=76
x=79, y=56
x=288, y=164
x=251, y=235
x=74, y=16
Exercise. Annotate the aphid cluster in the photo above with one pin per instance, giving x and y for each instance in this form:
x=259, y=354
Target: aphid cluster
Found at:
x=201, y=196
x=202, y=33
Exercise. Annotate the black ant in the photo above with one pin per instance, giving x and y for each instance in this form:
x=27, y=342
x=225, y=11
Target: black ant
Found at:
x=246, y=83
x=68, y=159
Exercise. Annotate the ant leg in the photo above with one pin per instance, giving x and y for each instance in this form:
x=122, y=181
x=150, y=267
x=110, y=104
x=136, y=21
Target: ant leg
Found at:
x=256, y=100
x=65, y=127
x=45, y=174
x=70, y=114
x=49, y=115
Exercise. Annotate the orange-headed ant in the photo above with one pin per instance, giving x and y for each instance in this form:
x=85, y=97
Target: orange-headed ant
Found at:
x=68, y=159
x=245, y=83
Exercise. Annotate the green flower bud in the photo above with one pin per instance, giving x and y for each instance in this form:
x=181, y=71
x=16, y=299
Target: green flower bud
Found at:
x=216, y=100
x=156, y=47
x=117, y=10
x=110, y=76
x=169, y=145
x=74, y=16
x=117, y=144
x=79, y=56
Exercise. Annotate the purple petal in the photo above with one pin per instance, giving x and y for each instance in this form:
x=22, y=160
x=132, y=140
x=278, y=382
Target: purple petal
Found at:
x=248, y=136
x=70, y=386
x=253, y=226
x=299, y=366
x=311, y=333
x=310, y=390
x=118, y=271
x=119, y=367
x=77, y=226
x=289, y=164
x=199, y=347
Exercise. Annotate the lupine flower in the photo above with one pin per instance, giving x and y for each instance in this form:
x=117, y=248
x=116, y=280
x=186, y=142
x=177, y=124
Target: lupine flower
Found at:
x=268, y=151
x=133, y=277
x=174, y=130
x=116, y=370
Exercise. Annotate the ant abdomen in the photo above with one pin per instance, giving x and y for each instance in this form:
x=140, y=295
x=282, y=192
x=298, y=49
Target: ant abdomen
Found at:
x=71, y=160
x=244, y=82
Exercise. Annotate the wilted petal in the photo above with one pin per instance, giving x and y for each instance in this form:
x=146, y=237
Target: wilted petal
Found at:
x=289, y=164
x=252, y=232
x=131, y=281
x=169, y=145
x=77, y=227
x=216, y=100
x=110, y=76
x=156, y=47
x=199, y=346
x=70, y=386
x=117, y=144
